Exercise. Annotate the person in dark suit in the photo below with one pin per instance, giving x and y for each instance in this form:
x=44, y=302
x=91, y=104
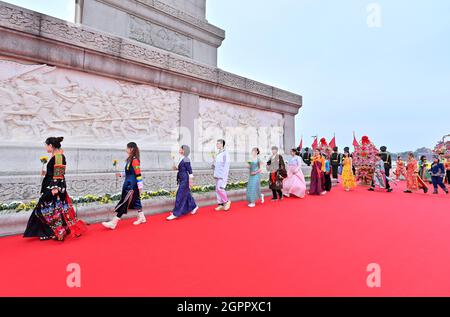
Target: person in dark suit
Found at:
x=306, y=156
x=335, y=161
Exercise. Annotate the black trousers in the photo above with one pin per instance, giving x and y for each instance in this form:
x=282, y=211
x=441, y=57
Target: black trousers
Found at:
x=327, y=182
x=388, y=172
x=277, y=193
x=448, y=177
x=335, y=169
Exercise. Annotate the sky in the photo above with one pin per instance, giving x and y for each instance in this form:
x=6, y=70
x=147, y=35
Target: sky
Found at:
x=379, y=68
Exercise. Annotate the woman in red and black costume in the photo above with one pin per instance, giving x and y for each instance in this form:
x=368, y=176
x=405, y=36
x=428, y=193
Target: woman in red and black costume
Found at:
x=54, y=216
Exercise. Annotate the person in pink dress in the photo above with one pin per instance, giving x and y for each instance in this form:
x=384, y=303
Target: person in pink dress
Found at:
x=295, y=183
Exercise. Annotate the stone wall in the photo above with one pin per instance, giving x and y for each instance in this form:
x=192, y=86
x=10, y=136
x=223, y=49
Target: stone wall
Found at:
x=177, y=26
x=27, y=187
x=100, y=91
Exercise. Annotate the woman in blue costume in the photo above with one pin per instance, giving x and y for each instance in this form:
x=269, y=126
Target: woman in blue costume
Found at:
x=184, y=202
x=131, y=190
x=254, y=181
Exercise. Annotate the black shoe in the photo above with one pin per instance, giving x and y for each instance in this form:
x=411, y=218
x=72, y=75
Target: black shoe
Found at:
x=390, y=190
x=371, y=189
x=274, y=199
x=425, y=190
x=408, y=192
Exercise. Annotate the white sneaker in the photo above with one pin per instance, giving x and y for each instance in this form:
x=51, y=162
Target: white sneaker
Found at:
x=252, y=205
x=193, y=212
x=227, y=206
x=140, y=220
x=171, y=217
x=111, y=224
x=262, y=198
x=286, y=195
x=324, y=193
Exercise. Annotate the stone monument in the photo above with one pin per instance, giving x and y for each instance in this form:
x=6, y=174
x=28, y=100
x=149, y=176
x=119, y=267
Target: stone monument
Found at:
x=179, y=27
x=127, y=70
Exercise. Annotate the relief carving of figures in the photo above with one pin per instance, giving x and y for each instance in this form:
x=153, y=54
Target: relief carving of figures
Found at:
x=261, y=128
x=153, y=34
x=37, y=101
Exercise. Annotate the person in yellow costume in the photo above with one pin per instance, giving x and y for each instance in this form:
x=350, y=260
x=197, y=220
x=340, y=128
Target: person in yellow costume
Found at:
x=348, y=178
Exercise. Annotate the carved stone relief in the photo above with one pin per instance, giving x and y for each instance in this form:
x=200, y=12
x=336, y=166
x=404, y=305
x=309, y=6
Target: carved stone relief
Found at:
x=37, y=101
x=246, y=127
x=82, y=36
x=156, y=35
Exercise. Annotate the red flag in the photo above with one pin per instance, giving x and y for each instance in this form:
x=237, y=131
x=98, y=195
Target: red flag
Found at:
x=333, y=142
x=315, y=144
x=300, y=147
x=355, y=142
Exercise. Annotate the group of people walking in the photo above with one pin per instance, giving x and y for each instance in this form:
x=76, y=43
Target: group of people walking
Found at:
x=418, y=174
x=326, y=167
x=54, y=216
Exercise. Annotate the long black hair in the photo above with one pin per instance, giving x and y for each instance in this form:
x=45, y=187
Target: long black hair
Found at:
x=54, y=142
x=256, y=150
x=135, y=153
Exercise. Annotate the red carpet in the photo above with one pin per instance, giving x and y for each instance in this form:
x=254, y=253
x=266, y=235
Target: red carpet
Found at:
x=319, y=246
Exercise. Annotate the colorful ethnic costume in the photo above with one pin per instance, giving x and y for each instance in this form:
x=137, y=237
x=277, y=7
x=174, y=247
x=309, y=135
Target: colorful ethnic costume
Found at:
x=387, y=163
x=317, y=186
x=413, y=181
x=254, y=181
x=447, y=171
x=424, y=174
x=295, y=183
x=327, y=176
x=131, y=198
x=184, y=202
x=348, y=178
x=379, y=177
x=400, y=169
x=277, y=172
x=54, y=215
